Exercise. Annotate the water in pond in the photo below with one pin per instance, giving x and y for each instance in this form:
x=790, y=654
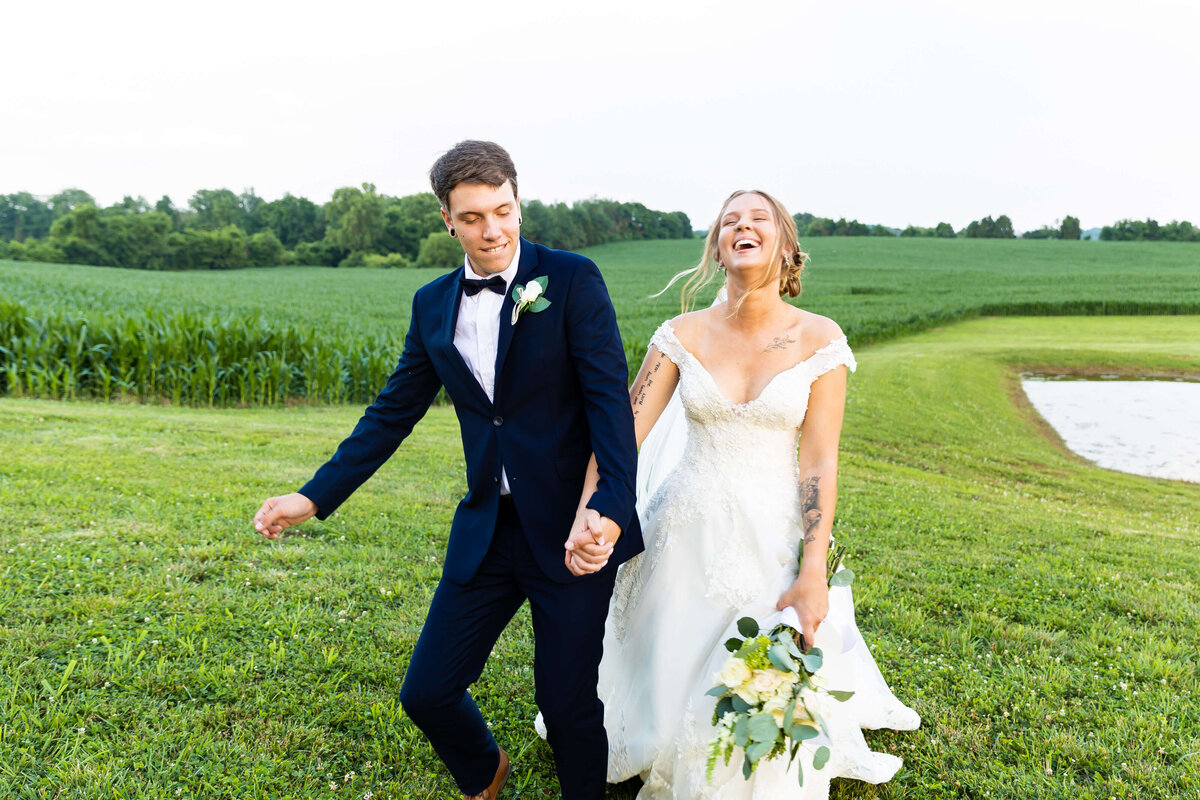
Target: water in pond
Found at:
x=1144, y=427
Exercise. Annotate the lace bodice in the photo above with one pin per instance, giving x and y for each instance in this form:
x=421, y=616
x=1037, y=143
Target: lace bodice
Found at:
x=754, y=438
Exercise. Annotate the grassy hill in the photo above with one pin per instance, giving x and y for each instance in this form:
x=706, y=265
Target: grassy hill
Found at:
x=1039, y=612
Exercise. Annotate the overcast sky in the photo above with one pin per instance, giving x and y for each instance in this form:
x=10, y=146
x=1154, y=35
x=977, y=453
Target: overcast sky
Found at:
x=889, y=112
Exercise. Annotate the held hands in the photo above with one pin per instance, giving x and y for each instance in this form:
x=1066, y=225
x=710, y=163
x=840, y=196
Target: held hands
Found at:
x=282, y=512
x=590, y=543
x=809, y=596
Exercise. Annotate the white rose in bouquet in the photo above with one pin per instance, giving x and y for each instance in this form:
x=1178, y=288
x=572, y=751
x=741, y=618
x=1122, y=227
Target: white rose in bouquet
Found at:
x=734, y=673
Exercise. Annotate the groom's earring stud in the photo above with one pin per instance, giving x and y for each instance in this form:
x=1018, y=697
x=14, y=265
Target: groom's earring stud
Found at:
x=453, y=235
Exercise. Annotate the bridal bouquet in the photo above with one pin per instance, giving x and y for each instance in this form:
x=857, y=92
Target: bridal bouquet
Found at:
x=764, y=687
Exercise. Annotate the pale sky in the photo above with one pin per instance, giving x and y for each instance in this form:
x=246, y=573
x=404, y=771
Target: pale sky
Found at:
x=889, y=112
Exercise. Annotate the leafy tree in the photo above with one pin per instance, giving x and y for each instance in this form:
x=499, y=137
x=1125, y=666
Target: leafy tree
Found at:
x=127, y=205
x=264, y=250
x=322, y=253
x=881, y=230
x=1070, y=228
x=215, y=208
x=1044, y=232
x=251, y=205
x=355, y=219
x=165, y=206
x=439, y=251
x=67, y=200
x=944, y=230
x=293, y=220
x=1004, y=228
x=408, y=220
x=200, y=249
x=23, y=216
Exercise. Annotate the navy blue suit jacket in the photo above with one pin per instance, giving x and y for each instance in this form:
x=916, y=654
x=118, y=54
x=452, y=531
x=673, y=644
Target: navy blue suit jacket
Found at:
x=561, y=394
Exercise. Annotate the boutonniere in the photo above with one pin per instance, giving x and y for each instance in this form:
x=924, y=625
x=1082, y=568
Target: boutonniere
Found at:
x=531, y=297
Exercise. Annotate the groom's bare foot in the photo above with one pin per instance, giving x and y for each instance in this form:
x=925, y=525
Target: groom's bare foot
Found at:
x=493, y=791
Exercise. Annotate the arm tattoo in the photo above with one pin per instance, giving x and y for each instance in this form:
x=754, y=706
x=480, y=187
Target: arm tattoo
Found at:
x=779, y=343
x=810, y=506
x=639, y=398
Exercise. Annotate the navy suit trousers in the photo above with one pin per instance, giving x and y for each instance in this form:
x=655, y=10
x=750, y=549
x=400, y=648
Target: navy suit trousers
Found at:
x=463, y=624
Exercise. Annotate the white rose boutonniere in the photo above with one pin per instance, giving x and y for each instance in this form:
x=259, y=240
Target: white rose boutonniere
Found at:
x=531, y=297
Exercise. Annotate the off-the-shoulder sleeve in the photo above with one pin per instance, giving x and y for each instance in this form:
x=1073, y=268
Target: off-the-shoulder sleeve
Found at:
x=831, y=356
x=668, y=344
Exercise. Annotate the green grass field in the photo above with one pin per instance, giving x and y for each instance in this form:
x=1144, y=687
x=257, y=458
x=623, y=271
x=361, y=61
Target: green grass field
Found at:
x=1040, y=613
x=273, y=335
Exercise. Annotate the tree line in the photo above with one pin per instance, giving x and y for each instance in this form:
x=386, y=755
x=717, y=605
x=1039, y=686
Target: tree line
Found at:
x=359, y=226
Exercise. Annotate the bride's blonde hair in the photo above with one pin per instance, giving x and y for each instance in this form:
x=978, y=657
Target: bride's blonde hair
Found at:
x=787, y=254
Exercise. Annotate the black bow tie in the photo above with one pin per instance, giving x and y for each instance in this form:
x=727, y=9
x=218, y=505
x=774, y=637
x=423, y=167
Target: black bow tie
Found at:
x=473, y=286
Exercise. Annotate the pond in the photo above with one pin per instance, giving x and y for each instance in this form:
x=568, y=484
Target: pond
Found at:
x=1147, y=427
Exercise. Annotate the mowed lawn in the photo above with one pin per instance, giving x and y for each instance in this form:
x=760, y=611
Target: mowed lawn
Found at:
x=1040, y=613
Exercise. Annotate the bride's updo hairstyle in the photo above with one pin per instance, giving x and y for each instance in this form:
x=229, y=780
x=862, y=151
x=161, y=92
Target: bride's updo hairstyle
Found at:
x=787, y=254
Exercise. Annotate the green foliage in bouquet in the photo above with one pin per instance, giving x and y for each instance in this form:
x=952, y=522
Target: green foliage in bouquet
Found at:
x=761, y=704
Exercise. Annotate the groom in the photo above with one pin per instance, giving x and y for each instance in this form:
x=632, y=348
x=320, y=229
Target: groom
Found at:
x=538, y=387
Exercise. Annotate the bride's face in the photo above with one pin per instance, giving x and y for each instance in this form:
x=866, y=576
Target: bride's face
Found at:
x=748, y=234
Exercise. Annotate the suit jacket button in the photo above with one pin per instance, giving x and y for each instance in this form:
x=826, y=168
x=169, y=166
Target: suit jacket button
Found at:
x=495, y=480
x=498, y=421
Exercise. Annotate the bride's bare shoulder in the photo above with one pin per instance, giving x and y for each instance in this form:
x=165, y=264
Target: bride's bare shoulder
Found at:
x=818, y=330
x=688, y=326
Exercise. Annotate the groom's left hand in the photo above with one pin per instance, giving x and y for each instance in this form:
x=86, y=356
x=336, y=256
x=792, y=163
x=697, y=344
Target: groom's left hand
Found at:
x=591, y=542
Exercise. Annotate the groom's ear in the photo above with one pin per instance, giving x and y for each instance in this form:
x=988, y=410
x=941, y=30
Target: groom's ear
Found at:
x=446, y=218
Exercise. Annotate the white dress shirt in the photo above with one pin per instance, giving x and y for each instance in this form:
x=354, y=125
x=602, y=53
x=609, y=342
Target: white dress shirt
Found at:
x=477, y=332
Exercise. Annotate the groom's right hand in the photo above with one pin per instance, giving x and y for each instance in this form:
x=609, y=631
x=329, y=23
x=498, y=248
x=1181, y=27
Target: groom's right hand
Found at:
x=587, y=549
x=278, y=513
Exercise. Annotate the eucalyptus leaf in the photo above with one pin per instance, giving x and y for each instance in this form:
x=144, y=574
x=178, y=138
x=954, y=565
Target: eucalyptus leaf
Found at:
x=780, y=658
x=756, y=750
x=741, y=736
x=812, y=660
x=739, y=705
x=541, y=304
x=801, y=732
x=800, y=774
x=732, y=644
x=542, y=280
x=747, y=767
x=717, y=690
x=821, y=757
x=747, y=626
x=516, y=293
x=761, y=727
x=838, y=694
x=724, y=706
x=843, y=577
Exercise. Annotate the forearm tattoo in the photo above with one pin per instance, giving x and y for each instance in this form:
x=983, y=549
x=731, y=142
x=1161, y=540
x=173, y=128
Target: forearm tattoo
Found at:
x=779, y=343
x=639, y=397
x=810, y=506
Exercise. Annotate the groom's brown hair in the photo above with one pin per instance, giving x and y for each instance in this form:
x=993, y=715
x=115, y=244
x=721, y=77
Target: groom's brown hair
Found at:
x=472, y=161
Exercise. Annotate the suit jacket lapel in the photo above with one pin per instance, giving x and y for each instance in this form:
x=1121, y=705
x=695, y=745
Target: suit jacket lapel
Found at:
x=449, y=320
x=526, y=269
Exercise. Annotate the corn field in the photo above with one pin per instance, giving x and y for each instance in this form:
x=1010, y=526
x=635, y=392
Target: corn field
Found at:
x=185, y=358
x=288, y=334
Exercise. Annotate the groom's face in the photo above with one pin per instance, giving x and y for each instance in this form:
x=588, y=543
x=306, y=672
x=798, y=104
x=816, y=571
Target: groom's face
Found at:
x=486, y=220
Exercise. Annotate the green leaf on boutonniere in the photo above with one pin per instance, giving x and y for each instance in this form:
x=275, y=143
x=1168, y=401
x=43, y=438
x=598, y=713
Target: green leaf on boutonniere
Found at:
x=527, y=299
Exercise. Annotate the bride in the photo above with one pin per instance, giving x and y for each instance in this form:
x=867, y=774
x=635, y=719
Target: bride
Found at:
x=762, y=386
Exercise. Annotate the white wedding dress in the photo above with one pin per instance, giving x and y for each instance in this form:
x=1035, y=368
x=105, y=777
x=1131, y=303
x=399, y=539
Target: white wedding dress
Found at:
x=722, y=533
